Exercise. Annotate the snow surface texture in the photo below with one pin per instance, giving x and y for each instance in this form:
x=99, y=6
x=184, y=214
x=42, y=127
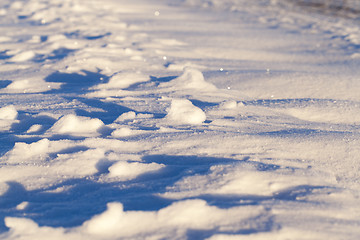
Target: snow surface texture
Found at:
x=185, y=119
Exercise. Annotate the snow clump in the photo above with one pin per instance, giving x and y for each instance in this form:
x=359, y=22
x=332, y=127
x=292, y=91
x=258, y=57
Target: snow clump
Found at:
x=182, y=111
x=8, y=113
x=171, y=222
x=22, y=151
x=190, y=79
x=78, y=126
x=23, y=56
x=126, y=132
x=8, y=116
x=124, y=80
x=130, y=170
x=126, y=116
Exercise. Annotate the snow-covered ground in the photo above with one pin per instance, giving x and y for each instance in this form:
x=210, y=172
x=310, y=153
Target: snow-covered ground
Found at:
x=182, y=119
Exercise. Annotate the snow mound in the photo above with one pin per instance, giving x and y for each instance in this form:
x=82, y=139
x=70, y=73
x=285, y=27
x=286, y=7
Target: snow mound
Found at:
x=4, y=38
x=171, y=222
x=130, y=170
x=26, y=227
x=8, y=113
x=19, y=85
x=8, y=116
x=180, y=66
x=190, y=79
x=30, y=85
x=22, y=206
x=78, y=126
x=23, y=56
x=127, y=116
x=182, y=111
x=131, y=116
x=72, y=164
x=34, y=128
x=126, y=132
x=231, y=104
x=22, y=151
x=122, y=132
x=124, y=80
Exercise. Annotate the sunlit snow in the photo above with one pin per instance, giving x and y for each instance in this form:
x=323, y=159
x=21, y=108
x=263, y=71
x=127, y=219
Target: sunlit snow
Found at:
x=184, y=119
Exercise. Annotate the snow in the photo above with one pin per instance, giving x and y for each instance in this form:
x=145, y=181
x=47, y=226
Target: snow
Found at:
x=126, y=116
x=75, y=125
x=184, y=119
x=8, y=113
x=130, y=170
x=124, y=80
x=182, y=111
x=8, y=116
x=23, y=56
x=169, y=222
x=189, y=79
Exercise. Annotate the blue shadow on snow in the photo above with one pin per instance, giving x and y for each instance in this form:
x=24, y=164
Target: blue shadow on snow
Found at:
x=83, y=198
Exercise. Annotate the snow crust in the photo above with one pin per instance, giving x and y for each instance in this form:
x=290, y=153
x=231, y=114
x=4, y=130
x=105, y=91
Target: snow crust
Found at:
x=184, y=119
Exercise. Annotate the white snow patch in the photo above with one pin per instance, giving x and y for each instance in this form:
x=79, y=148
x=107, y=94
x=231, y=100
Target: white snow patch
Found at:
x=22, y=228
x=180, y=66
x=126, y=132
x=124, y=80
x=4, y=187
x=327, y=114
x=22, y=205
x=182, y=111
x=30, y=85
x=77, y=125
x=126, y=116
x=20, y=84
x=34, y=128
x=170, y=42
x=23, y=56
x=190, y=79
x=170, y=222
x=3, y=12
x=16, y=5
x=8, y=113
x=22, y=151
x=78, y=164
x=132, y=117
x=237, y=180
x=122, y=132
x=129, y=170
x=231, y=104
x=4, y=38
x=282, y=234
x=306, y=148
x=8, y=116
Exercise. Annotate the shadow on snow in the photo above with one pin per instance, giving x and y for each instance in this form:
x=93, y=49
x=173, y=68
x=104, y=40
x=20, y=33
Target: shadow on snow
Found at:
x=84, y=198
x=75, y=82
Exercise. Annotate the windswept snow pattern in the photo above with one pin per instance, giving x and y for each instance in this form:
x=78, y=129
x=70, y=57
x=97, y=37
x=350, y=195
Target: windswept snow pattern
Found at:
x=185, y=119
